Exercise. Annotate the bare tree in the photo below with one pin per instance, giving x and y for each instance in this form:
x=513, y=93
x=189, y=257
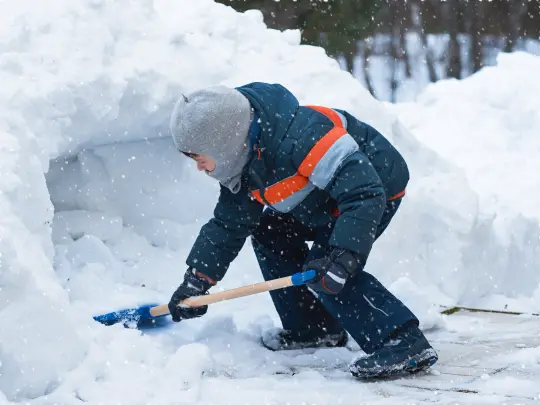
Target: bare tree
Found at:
x=349, y=56
x=365, y=49
x=402, y=11
x=531, y=21
x=476, y=19
x=417, y=22
x=517, y=10
x=452, y=12
x=393, y=21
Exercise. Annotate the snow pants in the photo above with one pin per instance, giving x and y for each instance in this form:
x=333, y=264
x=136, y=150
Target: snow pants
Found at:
x=364, y=308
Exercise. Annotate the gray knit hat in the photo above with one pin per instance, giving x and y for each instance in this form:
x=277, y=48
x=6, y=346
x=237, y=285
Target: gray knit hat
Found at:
x=215, y=121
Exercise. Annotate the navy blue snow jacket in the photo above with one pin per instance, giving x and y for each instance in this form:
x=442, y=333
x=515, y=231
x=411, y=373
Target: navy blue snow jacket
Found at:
x=349, y=182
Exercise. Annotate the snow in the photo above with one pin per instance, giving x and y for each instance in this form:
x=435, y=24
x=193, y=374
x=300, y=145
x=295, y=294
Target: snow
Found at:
x=448, y=113
x=99, y=211
x=487, y=125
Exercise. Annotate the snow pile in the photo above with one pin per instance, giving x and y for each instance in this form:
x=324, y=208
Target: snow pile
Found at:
x=87, y=90
x=488, y=125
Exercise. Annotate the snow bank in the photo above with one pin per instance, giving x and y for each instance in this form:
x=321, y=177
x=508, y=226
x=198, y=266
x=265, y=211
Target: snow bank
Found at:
x=87, y=88
x=488, y=125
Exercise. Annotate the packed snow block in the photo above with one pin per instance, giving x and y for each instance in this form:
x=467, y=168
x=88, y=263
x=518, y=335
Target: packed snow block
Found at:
x=145, y=183
x=72, y=225
x=420, y=301
x=89, y=249
x=183, y=374
x=23, y=194
x=120, y=366
x=165, y=233
x=152, y=180
x=489, y=132
x=188, y=363
x=38, y=345
x=80, y=182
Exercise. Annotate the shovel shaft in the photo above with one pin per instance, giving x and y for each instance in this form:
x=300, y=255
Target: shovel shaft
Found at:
x=230, y=294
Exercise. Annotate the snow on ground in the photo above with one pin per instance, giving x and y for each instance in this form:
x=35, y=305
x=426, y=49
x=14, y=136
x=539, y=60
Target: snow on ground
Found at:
x=99, y=211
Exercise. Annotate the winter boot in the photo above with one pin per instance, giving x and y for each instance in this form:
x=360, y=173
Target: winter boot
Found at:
x=406, y=350
x=281, y=339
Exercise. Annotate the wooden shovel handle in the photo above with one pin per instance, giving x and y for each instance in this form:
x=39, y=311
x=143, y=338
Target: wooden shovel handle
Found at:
x=228, y=294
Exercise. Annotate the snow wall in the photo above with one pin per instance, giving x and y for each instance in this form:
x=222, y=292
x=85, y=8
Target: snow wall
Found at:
x=99, y=211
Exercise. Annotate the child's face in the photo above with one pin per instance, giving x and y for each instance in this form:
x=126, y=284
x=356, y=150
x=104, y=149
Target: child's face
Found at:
x=204, y=162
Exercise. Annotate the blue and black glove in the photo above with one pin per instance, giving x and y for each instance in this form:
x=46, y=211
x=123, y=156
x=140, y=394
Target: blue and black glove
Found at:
x=334, y=270
x=194, y=284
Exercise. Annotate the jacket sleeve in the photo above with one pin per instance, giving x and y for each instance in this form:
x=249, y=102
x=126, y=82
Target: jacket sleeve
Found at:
x=361, y=200
x=349, y=177
x=223, y=236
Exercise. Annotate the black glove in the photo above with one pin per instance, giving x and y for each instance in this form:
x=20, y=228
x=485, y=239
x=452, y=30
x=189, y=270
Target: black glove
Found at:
x=194, y=284
x=334, y=270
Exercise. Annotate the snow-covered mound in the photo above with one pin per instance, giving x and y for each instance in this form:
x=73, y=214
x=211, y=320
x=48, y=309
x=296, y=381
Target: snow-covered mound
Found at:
x=488, y=124
x=99, y=212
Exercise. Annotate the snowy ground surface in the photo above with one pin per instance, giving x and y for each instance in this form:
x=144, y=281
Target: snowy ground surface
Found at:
x=99, y=211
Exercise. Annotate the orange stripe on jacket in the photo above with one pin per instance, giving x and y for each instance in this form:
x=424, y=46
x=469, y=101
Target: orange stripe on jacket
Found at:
x=398, y=195
x=285, y=188
x=321, y=147
x=281, y=190
x=331, y=114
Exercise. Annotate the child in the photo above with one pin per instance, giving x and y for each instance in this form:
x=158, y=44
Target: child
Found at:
x=290, y=174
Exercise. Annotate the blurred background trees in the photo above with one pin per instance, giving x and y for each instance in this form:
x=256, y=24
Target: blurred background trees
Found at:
x=395, y=47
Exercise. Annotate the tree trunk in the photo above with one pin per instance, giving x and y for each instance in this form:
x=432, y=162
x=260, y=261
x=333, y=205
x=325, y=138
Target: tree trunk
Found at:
x=417, y=22
x=349, y=62
x=366, y=54
x=476, y=10
x=402, y=18
x=394, y=22
x=454, y=51
x=531, y=27
x=517, y=10
x=349, y=54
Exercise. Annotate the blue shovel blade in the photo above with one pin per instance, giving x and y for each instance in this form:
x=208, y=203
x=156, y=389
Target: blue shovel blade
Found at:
x=133, y=318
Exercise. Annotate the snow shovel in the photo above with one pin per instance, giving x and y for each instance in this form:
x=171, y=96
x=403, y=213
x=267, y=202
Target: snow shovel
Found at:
x=151, y=315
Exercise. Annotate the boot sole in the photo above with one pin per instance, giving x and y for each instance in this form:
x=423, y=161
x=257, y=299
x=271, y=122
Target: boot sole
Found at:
x=415, y=364
x=322, y=344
